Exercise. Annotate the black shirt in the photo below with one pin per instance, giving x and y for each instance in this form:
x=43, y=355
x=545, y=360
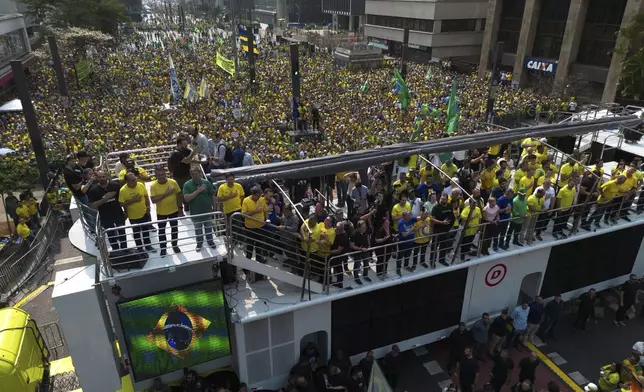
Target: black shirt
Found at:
x=467, y=370
x=74, y=176
x=338, y=380
x=88, y=165
x=360, y=240
x=499, y=327
x=554, y=310
x=586, y=303
x=501, y=368
x=341, y=241
x=588, y=183
x=111, y=208
x=356, y=385
x=178, y=168
x=630, y=291
x=442, y=212
x=528, y=368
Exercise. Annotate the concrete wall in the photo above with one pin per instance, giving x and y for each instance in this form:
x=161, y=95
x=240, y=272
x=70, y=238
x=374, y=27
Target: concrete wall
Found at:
x=443, y=45
x=428, y=9
x=8, y=7
x=81, y=322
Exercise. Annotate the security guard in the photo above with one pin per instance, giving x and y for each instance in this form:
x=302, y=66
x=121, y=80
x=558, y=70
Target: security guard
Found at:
x=609, y=377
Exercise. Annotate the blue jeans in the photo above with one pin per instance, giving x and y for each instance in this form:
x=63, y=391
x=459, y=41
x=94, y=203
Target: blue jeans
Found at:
x=82, y=199
x=202, y=223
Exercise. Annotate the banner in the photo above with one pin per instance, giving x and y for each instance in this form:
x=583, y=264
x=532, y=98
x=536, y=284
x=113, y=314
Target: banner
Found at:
x=174, y=83
x=377, y=381
x=225, y=64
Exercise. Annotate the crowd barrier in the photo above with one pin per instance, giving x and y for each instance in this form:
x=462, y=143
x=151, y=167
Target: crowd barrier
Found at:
x=147, y=158
x=16, y=271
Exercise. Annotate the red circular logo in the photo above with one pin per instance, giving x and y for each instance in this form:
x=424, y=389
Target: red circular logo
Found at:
x=495, y=275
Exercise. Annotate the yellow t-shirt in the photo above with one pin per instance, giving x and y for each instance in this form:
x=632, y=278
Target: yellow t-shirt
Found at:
x=234, y=204
x=33, y=207
x=541, y=179
x=339, y=177
x=487, y=179
x=566, y=171
x=424, y=173
x=610, y=190
x=527, y=183
x=457, y=216
x=247, y=208
x=141, y=171
x=535, y=203
x=566, y=197
x=449, y=170
x=314, y=236
x=327, y=236
x=421, y=236
x=541, y=156
x=23, y=211
x=23, y=230
x=638, y=175
x=475, y=219
x=137, y=209
x=397, y=210
x=494, y=150
x=518, y=175
x=167, y=205
x=629, y=184
x=507, y=174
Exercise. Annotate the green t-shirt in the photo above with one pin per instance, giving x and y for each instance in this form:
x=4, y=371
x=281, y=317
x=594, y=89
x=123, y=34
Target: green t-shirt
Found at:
x=203, y=202
x=519, y=209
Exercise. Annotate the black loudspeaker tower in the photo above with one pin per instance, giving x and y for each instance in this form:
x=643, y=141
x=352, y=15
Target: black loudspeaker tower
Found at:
x=295, y=70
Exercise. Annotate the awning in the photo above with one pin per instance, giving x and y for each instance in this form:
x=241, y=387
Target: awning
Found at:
x=378, y=45
x=12, y=106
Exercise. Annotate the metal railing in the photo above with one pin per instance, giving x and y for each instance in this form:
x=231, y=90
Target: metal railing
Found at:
x=146, y=158
x=129, y=246
x=275, y=246
x=471, y=242
x=15, y=273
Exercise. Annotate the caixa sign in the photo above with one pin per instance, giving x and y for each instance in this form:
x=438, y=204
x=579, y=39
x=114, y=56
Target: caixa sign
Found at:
x=541, y=65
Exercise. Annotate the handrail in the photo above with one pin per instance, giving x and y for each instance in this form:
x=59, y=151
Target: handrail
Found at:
x=291, y=202
x=532, y=220
x=619, y=136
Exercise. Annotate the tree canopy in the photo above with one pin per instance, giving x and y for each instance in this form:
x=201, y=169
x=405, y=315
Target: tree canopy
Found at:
x=103, y=15
x=632, y=50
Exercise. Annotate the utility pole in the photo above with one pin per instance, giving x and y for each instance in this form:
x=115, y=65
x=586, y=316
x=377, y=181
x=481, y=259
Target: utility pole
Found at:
x=493, y=83
x=30, y=119
x=250, y=31
x=403, y=64
x=295, y=82
x=58, y=66
x=234, y=28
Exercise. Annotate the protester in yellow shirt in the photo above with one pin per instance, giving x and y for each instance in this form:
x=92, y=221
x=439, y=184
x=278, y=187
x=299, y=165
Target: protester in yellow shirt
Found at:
x=422, y=231
x=519, y=174
x=325, y=241
x=565, y=200
x=566, y=171
x=607, y=202
x=133, y=197
x=398, y=208
x=487, y=178
x=470, y=222
x=165, y=193
x=628, y=190
x=549, y=175
x=130, y=167
x=494, y=151
x=231, y=194
x=259, y=240
x=449, y=168
x=24, y=231
x=528, y=181
x=310, y=232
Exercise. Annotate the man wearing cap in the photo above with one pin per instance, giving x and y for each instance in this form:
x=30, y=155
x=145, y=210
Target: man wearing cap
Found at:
x=519, y=214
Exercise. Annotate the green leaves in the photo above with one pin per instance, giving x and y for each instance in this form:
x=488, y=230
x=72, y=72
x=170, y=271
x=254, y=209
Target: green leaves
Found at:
x=103, y=15
x=16, y=173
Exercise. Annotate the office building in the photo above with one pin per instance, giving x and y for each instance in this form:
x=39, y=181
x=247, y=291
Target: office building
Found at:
x=346, y=14
x=438, y=29
x=555, y=40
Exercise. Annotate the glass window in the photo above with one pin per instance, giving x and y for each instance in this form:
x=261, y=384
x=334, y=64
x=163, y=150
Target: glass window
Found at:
x=551, y=28
x=454, y=25
x=510, y=27
x=603, y=21
x=400, y=23
x=12, y=45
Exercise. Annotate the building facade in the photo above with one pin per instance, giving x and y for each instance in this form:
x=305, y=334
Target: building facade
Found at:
x=14, y=45
x=438, y=29
x=346, y=14
x=556, y=41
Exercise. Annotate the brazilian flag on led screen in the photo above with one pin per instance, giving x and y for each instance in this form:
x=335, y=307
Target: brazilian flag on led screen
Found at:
x=175, y=329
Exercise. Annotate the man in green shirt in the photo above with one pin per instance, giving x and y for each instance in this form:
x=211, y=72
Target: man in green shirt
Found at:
x=519, y=213
x=200, y=195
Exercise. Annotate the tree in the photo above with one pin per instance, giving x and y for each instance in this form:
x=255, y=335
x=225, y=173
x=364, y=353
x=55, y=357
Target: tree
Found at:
x=103, y=15
x=632, y=51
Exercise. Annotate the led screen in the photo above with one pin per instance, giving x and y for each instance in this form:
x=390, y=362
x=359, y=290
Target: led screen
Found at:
x=175, y=329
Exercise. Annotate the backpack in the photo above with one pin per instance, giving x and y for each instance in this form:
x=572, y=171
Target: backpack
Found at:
x=228, y=155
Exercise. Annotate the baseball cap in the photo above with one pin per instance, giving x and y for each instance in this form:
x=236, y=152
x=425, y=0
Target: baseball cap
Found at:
x=522, y=190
